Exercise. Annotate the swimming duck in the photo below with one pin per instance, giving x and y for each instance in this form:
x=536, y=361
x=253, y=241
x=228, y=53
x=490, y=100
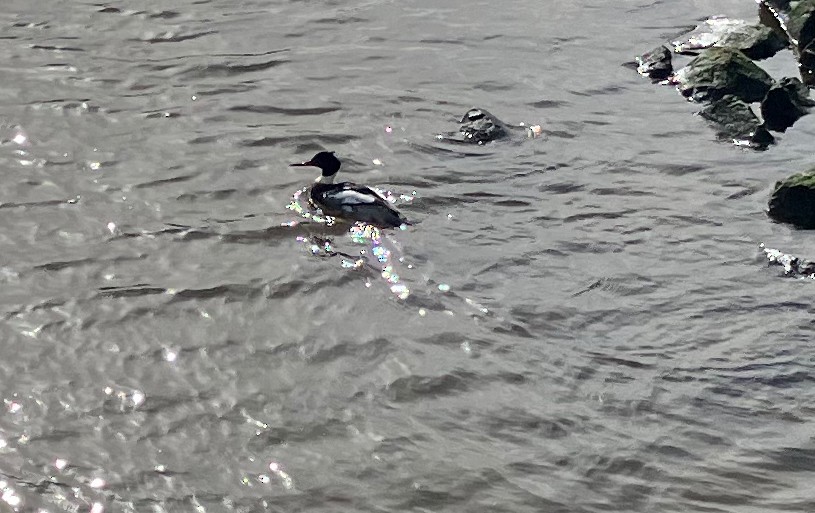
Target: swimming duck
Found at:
x=346, y=200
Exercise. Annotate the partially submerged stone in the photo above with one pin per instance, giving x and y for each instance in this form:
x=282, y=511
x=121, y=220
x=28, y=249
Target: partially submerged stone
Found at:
x=735, y=121
x=797, y=20
x=723, y=71
x=793, y=200
x=800, y=25
x=784, y=103
x=655, y=64
x=801, y=31
x=756, y=41
x=479, y=126
x=706, y=34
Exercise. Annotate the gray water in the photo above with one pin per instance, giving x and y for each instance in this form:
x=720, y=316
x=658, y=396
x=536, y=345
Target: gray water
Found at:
x=586, y=323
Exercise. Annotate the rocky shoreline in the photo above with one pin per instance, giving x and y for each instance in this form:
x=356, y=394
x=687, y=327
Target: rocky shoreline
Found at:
x=742, y=102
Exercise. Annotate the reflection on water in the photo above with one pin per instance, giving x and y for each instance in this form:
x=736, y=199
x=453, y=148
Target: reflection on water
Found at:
x=381, y=251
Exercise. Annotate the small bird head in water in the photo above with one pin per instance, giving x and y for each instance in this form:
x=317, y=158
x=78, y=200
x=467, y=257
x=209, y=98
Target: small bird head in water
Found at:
x=326, y=161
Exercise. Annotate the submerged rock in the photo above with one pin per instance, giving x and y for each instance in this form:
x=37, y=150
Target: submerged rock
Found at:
x=479, y=126
x=735, y=121
x=655, y=64
x=793, y=200
x=785, y=103
x=756, y=41
x=723, y=71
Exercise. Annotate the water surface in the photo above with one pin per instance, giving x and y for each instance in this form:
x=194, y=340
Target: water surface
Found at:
x=589, y=326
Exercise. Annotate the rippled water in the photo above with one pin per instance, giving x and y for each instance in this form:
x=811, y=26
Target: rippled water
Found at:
x=590, y=324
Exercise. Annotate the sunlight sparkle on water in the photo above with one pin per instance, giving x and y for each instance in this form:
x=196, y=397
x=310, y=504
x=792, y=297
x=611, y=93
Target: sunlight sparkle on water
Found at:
x=20, y=138
x=138, y=397
x=60, y=464
x=315, y=215
x=285, y=478
x=360, y=233
x=8, y=495
x=401, y=290
x=97, y=507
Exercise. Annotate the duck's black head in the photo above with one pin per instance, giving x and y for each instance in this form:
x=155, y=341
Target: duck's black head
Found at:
x=326, y=161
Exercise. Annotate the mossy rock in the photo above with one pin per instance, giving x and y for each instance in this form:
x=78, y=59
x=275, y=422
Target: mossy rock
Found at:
x=723, y=71
x=793, y=200
x=655, y=64
x=755, y=40
x=734, y=120
x=801, y=23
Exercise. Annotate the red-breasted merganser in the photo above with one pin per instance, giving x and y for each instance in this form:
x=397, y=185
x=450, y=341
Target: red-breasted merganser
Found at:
x=348, y=200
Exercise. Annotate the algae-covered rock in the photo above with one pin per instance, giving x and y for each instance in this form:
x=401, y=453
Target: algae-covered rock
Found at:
x=801, y=31
x=793, y=200
x=655, y=64
x=734, y=120
x=756, y=41
x=796, y=19
x=723, y=71
x=785, y=103
x=800, y=24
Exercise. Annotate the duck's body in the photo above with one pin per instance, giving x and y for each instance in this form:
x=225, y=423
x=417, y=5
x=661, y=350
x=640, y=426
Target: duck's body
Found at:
x=348, y=200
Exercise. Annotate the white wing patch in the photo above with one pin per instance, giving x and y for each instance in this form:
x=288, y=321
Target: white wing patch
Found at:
x=354, y=198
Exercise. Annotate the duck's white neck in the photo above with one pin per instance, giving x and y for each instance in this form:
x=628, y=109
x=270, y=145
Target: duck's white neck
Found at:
x=325, y=179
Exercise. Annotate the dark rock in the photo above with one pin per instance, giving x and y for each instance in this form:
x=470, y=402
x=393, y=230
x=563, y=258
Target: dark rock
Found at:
x=800, y=25
x=797, y=20
x=785, y=103
x=722, y=71
x=735, y=121
x=801, y=30
x=756, y=41
x=793, y=200
x=774, y=15
x=655, y=64
x=477, y=127
x=781, y=5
